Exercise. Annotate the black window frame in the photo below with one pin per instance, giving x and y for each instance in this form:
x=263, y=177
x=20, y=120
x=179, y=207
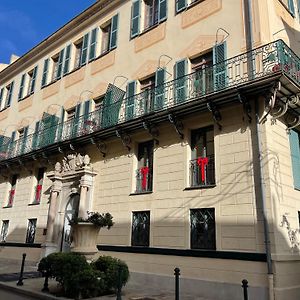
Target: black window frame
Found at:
x=198, y=238
x=140, y=237
x=31, y=231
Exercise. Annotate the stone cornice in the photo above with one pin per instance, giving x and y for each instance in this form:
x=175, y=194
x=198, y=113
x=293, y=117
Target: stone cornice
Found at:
x=75, y=25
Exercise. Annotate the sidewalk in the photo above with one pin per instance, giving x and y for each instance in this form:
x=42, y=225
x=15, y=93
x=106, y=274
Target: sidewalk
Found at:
x=32, y=286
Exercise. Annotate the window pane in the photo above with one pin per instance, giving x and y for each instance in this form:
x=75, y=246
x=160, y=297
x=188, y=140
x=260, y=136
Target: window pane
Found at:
x=140, y=228
x=203, y=228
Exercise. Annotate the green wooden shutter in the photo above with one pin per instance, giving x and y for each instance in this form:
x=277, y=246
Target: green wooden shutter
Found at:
x=299, y=8
x=75, y=121
x=20, y=96
x=49, y=128
x=111, y=106
x=67, y=60
x=93, y=44
x=45, y=72
x=35, y=138
x=291, y=7
x=219, y=57
x=180, y=81
x=114, y=32
x=87, y=105
x=159, y=89
x=12, y=143
x=84, y=49
x=9, y=98
x=34, y=74
x=61, y=125
x=1, y=97
x=22, y=143
x=135, y=18
x=131, y=91
x=295, y=156
x=60, y=64
x=162, y=10
x=180, y=5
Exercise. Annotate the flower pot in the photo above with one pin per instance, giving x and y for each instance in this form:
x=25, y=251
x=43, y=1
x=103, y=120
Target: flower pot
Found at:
x=85, y=238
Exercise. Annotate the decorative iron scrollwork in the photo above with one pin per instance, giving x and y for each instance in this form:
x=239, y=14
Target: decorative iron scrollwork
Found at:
x=212, y=107
x=246, y=107
x=292, y=122
x=125, y=138
x=178, y=125
x=271, y=100
x=153, y=131
x=102, y=148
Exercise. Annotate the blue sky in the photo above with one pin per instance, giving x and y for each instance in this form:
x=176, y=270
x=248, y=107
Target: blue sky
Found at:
x=23, y=24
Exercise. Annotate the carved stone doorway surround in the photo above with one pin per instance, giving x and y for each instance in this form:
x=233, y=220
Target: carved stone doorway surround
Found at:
x=74, y=175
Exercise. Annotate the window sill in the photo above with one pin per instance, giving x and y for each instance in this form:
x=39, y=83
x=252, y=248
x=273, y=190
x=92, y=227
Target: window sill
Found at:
x=4, y=108
x=25, y=97
x=33, y=204
x=288, y=10
x=7, y=206
x=194, y=3
x=141, y=193
x=200, y=187
x=50, y=83
x=148, y=29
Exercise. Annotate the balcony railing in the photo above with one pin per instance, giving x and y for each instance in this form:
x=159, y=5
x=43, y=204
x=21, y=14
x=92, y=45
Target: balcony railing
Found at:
x=143, y=180
x=202, y=171
x=264, y=61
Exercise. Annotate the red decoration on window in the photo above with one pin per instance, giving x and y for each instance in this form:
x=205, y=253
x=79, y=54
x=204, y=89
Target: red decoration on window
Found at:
x=38, y=193
x=11, y=197
x=202, y=163
x=144, y=172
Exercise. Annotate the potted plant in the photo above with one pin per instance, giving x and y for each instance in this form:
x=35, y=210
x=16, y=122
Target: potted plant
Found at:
x=86, y=230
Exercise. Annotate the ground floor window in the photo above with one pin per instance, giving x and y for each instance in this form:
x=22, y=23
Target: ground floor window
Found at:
x=4, y=230
x=140, y=228
x=203, y=228
x=31, y=229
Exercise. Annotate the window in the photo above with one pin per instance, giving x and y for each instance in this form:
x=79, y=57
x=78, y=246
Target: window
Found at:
x=105, y=38
x=21, y=142
x=12, y=191
x=8, y=92
x=295, y=156
x=78, y=53
x=202, y=164
x=145, y=167
x=289, y=4
x=31, y=83
x=147, y=88
x=140, y=228
x=31, y=229
x=98, y=102
x=4, y=230
x=203, y=228
x=183, y=4
x=71, y=114
x=203, y=74
x=45, y=73
x=54, y=67
x=146, y=14
x=39, y=186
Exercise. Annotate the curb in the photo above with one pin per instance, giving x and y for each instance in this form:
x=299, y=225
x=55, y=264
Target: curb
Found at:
x=27, y=292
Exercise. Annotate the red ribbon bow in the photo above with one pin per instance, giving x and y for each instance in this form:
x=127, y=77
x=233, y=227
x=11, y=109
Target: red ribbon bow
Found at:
x=38, y=192
x=202, y=163
x=144, y=171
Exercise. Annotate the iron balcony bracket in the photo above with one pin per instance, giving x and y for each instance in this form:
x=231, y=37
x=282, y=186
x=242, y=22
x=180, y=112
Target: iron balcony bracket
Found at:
x=153, y=131
x=271, y=100
x=102, y=147
x=246, y=107
x=178, y=125
x=212, y=107
x=294, y=123
x=125, y=138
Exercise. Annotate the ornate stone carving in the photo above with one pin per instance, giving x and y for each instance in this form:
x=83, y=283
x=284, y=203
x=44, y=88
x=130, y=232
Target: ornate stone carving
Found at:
x=72, y=162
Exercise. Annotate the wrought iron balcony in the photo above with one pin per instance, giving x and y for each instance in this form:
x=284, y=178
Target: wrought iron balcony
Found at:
x=267, y=61
x=202, y=171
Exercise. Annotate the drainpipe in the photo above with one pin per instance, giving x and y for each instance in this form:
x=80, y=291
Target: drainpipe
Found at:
x=249, y=43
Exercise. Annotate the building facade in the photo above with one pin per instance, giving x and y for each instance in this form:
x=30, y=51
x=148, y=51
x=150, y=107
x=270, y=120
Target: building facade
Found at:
x=180, y=121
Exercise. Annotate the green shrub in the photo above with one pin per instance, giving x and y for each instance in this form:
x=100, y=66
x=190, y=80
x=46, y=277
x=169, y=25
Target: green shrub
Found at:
x=74, y=274
x=109, y=267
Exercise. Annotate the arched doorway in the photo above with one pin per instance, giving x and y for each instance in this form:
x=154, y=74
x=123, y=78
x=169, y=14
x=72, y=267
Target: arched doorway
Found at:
x=70, y=212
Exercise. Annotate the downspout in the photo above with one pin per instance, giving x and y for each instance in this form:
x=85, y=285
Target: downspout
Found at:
x=251, y=68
